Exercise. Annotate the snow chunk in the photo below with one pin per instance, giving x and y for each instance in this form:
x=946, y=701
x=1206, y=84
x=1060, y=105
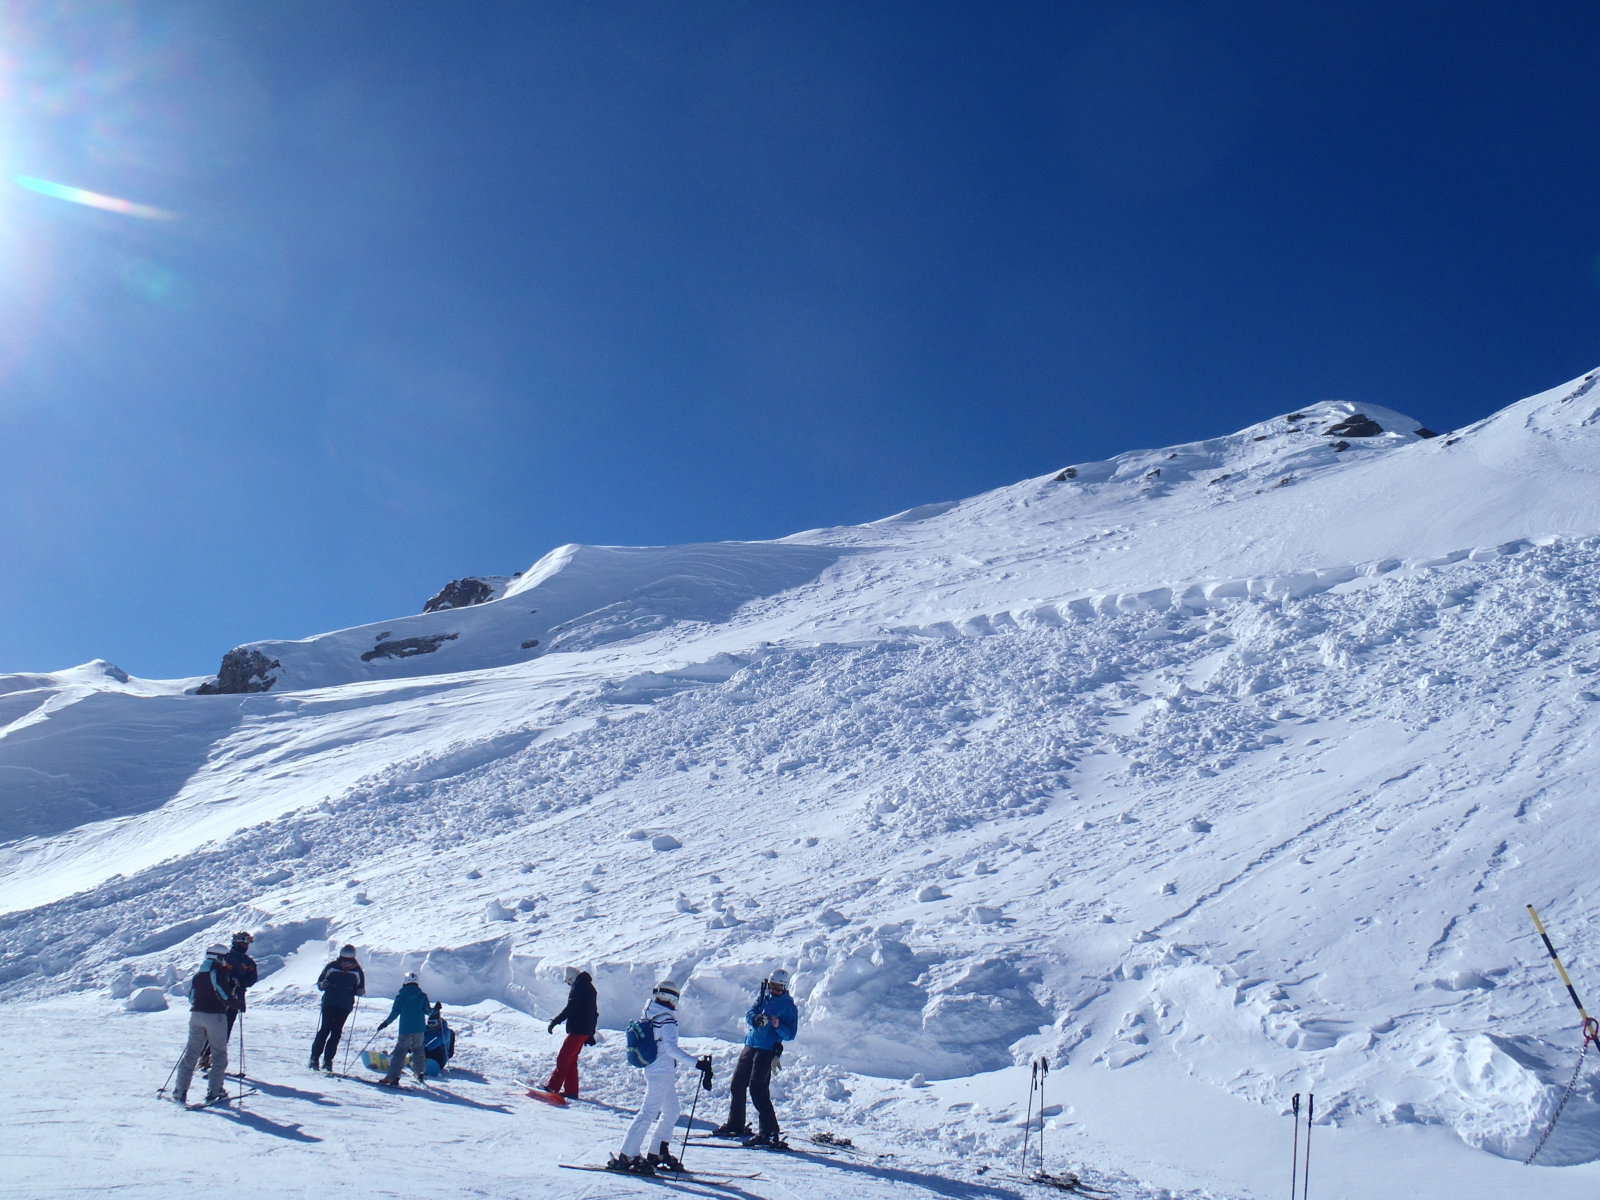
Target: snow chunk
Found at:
x=147, y=999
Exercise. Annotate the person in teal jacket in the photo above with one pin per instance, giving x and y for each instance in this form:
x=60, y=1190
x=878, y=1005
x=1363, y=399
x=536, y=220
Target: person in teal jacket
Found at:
x=411, y=1010
x=773, y=1020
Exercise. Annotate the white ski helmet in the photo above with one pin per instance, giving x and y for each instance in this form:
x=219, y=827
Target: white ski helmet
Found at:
x=667, y=990
x=571, y=974
x=779, y=978
x=410, y=977
x=216, y=950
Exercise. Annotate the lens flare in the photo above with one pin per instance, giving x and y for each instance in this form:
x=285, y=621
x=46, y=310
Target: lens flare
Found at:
x=61, y=191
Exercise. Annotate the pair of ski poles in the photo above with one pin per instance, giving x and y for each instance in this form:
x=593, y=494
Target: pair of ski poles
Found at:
x=1297, y=1177
x=1040, y=1072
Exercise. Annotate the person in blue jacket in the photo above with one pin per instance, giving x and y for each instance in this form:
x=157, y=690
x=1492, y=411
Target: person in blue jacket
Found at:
x=410, y=1008
x=340, y=983
x=773, y=1020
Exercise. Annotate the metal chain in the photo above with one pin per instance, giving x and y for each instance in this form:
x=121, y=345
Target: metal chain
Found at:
x=1572, y=1084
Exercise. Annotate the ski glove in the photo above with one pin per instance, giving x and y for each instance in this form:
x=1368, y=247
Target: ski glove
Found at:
x=552, y=1028
x=705, y=1072
x=384, y=1024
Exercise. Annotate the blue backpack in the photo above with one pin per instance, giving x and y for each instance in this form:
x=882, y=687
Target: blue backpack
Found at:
x=641, y=1042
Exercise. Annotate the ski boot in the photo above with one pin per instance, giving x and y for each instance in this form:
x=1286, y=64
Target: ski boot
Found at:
x=733, y=1131
x=629, y=1164
x=665, y=1160
x=765, y=1141
x=217, y=1098
x=313, y=1063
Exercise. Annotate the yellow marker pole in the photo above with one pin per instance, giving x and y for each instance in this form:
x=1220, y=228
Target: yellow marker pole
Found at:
x=1591, y=1030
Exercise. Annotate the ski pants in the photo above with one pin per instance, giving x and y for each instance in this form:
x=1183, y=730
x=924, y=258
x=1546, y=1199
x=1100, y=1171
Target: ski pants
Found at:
x=331, y=1030
x=564, y=1078
x=754, y=1074
x=209, y=1032
x=407, y=1043
x=660, y=1106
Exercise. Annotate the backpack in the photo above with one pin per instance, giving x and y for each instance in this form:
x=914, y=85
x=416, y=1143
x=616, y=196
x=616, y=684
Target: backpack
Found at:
x=641, y=1042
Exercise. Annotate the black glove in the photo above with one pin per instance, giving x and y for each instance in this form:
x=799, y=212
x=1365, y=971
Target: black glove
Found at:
x=705, y=1072
x=552, y=1028
x=592, y=1041
x=383, y=1025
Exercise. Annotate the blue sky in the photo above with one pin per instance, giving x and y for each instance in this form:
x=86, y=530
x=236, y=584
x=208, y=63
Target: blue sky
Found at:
x=447, y=285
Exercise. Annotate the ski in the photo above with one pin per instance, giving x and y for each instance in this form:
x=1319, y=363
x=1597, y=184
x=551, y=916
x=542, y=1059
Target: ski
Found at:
x=554, y=1099
x=223, y=1100
x=1066, y=1181
x=669, y=1178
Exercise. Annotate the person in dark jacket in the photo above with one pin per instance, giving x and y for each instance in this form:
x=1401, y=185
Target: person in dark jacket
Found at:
x=438, y=1039
x=582, y=1017
x=208, y=1027
x=340, y=983
x=242, y=974
x=411, y=1010
x=773, y=1020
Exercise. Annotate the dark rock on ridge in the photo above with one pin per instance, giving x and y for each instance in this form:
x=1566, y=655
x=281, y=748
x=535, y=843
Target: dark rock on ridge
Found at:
x=460, y=593
x=243, y=670
x=1355, y=425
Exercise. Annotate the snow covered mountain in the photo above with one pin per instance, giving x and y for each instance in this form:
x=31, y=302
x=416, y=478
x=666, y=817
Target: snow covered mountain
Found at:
x=1213, y=773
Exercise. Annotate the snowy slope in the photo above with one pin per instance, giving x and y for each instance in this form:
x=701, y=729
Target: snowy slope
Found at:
x=1214, y=773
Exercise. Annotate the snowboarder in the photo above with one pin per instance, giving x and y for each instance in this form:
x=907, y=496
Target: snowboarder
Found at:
x=411, y=1008
x=582, y=1017
x=208, y=1027
x=660, y=1106
x=340, y=983
x=773, y=1020
x=438, y=1039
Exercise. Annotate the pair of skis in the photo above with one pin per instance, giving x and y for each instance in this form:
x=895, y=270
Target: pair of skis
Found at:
x=668, y=1177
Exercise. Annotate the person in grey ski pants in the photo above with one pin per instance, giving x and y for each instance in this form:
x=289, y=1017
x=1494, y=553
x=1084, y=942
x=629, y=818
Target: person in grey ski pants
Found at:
x=205, y=1029
x=411, y=1044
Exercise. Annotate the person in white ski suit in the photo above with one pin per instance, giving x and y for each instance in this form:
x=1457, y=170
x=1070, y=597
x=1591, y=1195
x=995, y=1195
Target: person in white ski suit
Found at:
x=660, y=1078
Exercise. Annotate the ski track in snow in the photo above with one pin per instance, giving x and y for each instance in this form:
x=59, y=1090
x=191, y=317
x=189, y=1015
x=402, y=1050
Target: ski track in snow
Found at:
x=1203, y=843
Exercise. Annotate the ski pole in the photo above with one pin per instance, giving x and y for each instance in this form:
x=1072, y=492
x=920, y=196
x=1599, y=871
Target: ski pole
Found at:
x=700, y=1086
x=1311, y=1115
x=162, y=1090
x=1294, y=1159
x=350, y=1038
x=1027, y=1121
x=1591, y=1030
x=1044, y=1073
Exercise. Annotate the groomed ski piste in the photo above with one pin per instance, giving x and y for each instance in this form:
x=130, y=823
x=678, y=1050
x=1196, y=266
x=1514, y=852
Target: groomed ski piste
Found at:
x=1210, y=774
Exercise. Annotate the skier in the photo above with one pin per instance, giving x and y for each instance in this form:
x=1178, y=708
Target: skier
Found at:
x=582, y=1017
x=411, y=1007
x=773, y=1020
x=242, y=974
x=661, y=1089
x=340, y=983
x=208, y=1027
x=438, y=1039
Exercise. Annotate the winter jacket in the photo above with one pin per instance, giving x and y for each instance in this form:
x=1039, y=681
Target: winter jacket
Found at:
x=243, y=969
x=210, y=989
x=582, y=1013
x=762, y=1035
x=341, y=982
x=410, y=1008
x=663, y=1022
x=439, y=1043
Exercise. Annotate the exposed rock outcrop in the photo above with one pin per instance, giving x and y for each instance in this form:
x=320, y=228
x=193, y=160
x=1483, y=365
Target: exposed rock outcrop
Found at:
x=243, y=670
x=409, y=647
x=460, y=593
